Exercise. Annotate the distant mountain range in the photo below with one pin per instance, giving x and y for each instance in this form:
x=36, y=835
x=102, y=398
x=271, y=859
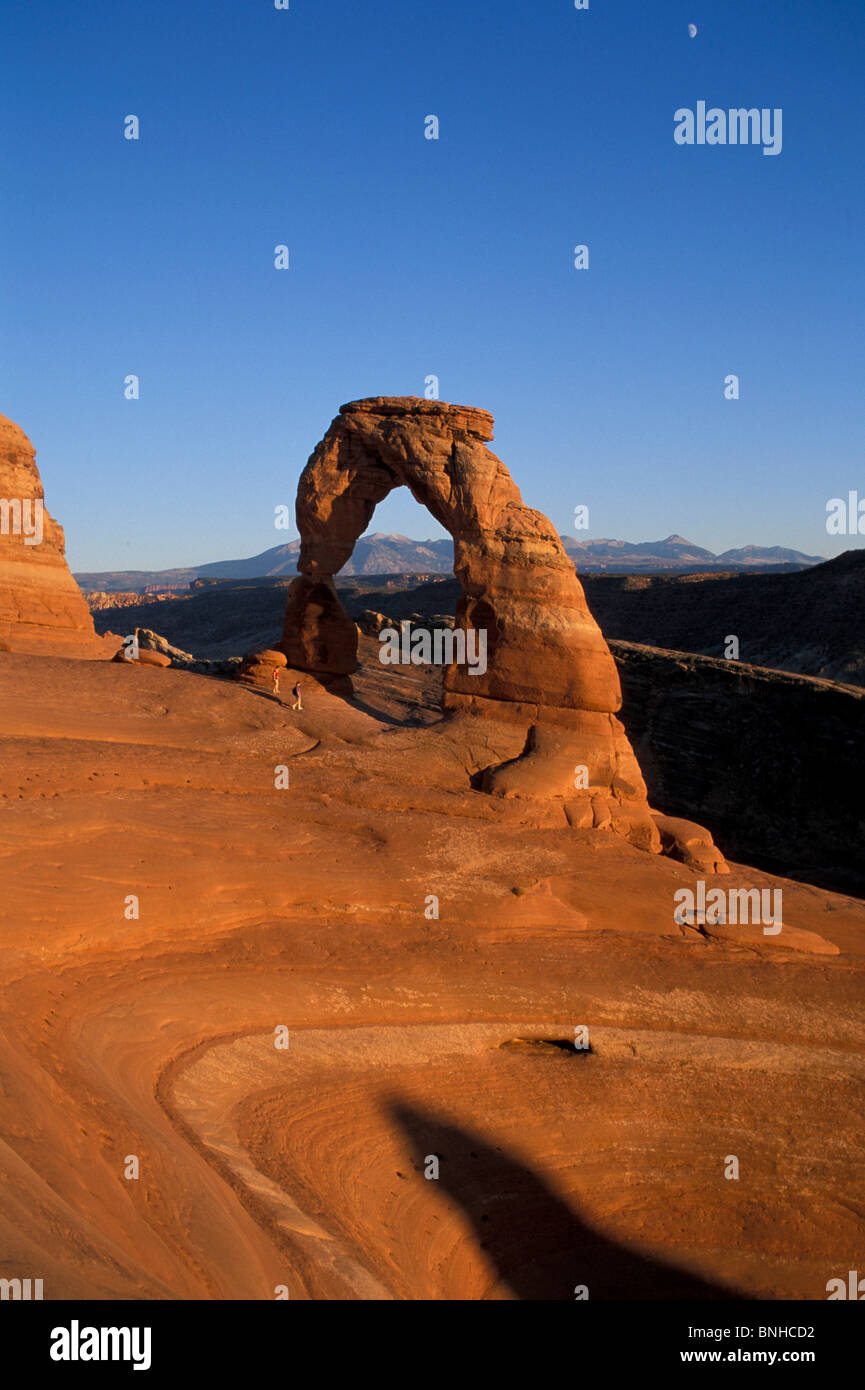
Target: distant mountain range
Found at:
x=393, y=554
x=675, y=553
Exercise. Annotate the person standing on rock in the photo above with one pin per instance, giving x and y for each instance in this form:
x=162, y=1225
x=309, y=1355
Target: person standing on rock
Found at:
x=276, y=681
x=296, y=693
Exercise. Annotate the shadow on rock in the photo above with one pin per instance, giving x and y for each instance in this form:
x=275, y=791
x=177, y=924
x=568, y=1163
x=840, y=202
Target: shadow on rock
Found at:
x=541, y=1249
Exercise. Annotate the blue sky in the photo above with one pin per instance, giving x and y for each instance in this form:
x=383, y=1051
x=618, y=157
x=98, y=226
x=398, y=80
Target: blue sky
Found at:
x=412, y=257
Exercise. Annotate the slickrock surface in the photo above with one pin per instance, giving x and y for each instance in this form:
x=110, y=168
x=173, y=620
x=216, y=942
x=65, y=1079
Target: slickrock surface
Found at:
x=698, y=727
x=308, y=908
x=549, y=673
x=42, y=609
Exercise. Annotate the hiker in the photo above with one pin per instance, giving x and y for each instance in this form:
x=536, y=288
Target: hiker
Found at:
x=276, y=681
x=296, y=693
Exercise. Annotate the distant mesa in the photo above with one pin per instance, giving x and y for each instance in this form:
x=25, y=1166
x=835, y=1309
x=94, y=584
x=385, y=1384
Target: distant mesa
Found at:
x=549, y=675
x=42, y=609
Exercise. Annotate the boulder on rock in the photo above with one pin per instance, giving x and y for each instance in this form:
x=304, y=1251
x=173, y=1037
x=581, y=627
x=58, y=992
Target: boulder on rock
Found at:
x=150, y=641
x=146, y=658
x=268, y=656
x=257, y=667
x=143, y=658
x=370, y=622
x=690, y=844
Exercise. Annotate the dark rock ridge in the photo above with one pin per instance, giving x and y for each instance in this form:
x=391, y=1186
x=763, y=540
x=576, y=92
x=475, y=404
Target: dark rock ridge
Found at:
x=773, y=763
x=810, y=623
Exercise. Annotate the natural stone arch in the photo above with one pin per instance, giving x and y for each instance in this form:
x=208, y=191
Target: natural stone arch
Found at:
x=549, y=671
x=507, y=557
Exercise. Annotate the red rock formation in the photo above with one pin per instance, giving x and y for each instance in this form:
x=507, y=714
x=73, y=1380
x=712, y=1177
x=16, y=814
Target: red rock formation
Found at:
x=257, y=668
x=144, y=658
x=42, y=609
x=549, y=671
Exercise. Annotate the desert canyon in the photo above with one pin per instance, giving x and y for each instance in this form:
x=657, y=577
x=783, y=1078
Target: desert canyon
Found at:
x=260, y=967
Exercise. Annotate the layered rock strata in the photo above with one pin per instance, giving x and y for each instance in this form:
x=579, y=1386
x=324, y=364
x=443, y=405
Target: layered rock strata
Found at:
x=42, y=609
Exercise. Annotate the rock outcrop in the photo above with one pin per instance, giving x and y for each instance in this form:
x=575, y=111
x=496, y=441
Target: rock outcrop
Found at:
x=257, y=667
x=370, y=622
x=42, y=609
x=98, y=600
x=548, y=672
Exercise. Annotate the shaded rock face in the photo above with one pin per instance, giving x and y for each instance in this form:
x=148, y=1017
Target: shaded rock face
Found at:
x=42, y=609
x=809, y=622
x=549, y=672
x=774, y=762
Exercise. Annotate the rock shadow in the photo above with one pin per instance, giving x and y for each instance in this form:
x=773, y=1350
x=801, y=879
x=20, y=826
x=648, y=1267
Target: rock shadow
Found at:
x=540, y=1247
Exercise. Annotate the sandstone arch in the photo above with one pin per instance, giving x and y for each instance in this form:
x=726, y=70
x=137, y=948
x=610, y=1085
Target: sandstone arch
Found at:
x=550, y=673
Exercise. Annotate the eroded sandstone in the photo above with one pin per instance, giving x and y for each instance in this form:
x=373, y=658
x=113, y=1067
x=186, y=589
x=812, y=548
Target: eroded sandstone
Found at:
x=548, y=671
x=42, y=609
